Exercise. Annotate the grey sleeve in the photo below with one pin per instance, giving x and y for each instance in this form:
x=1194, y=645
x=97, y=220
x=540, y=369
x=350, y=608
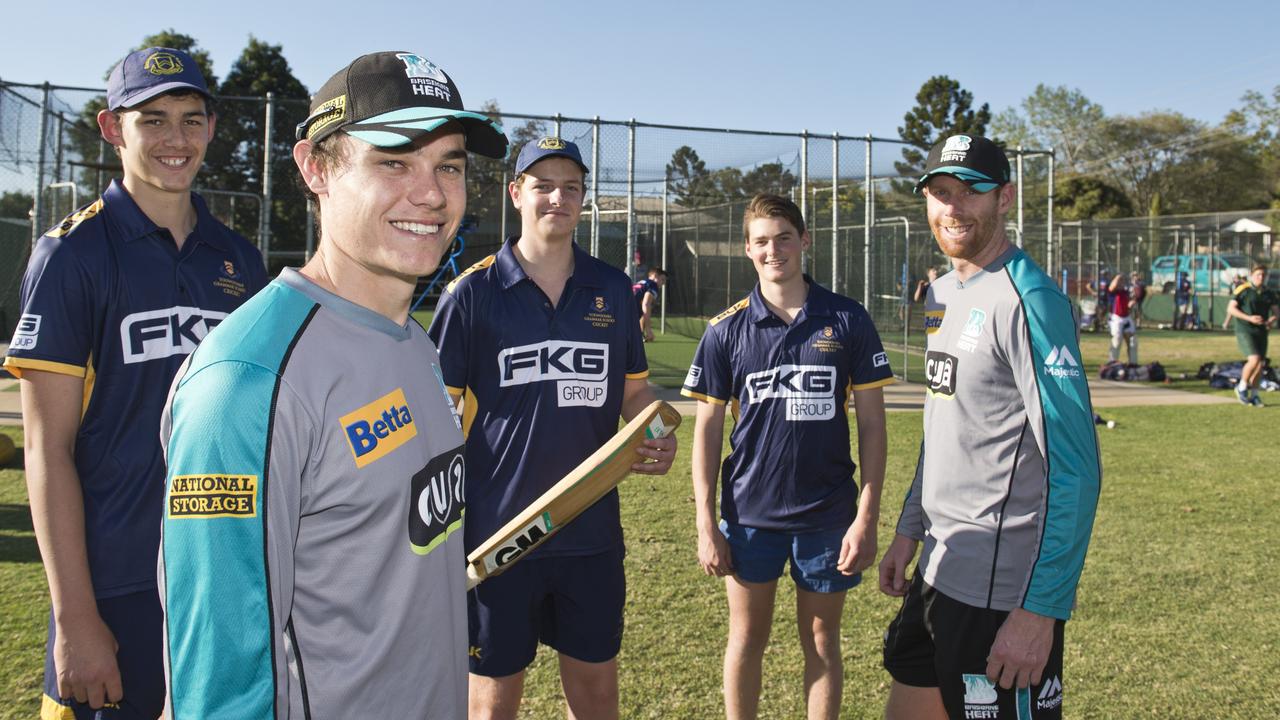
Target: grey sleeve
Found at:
x=911, y=520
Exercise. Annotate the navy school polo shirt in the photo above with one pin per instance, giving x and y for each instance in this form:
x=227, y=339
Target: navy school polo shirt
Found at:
x=789, y=467
x=108, y=296
x=542, y=386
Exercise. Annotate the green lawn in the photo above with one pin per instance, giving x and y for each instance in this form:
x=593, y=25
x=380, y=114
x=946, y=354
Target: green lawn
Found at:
x=1177, y=615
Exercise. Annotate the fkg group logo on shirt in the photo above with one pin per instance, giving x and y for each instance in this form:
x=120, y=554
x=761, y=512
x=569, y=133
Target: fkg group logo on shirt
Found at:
x=578, y=369
x=1061, y=363
x=807, y=390
x=156, y=334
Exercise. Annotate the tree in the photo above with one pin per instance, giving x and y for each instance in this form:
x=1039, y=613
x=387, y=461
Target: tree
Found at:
x=84, y=138
x=234, y=161
x=1258, y=119
x=942, y=108
x=768, y=178
x=1179, y=163
x=16, y=205
x=689, y=180
x=1084, y=197
x=1054, y=117
x=486, y=189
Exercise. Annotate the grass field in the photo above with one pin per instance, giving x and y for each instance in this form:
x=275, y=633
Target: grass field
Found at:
x=1177, y=615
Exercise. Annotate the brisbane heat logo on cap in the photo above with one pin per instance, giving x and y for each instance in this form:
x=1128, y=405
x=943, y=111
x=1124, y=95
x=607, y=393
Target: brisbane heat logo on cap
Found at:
x=425, y=78
x=162, y=63
x=955, y=149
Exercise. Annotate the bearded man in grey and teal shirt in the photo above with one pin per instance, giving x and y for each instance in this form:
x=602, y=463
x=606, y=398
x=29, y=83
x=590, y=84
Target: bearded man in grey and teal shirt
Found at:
x=1007, y=482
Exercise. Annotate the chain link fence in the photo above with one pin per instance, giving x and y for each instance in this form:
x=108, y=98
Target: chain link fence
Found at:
x=658, y=195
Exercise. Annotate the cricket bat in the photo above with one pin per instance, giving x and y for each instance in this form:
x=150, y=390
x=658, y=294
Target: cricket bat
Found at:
x=567, y=499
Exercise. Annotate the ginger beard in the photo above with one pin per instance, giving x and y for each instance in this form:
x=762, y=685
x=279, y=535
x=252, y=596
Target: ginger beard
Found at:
x=964, y=222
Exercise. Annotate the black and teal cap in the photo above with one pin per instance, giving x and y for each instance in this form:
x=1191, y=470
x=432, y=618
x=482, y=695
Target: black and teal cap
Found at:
x=390, y=99
x=971, y=159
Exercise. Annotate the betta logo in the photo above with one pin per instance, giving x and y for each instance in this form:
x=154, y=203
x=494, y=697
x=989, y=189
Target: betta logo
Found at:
x=378, y=428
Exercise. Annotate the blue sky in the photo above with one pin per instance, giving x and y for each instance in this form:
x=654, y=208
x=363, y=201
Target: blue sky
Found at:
x=849, y=67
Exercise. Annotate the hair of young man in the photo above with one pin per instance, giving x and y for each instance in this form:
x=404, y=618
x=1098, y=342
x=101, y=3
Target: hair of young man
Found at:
x=765, y=205
x=657, y=272
x=331, y=153
x=1256, y=268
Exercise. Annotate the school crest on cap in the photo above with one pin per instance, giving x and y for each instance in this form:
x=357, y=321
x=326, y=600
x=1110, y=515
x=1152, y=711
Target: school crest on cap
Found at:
x=163, y=63
x=551, y=143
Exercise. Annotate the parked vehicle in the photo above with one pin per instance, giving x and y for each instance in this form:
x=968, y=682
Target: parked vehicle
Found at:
x=1218, y=270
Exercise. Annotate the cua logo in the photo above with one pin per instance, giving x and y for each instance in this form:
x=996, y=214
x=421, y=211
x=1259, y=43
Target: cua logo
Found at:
x=376, y=429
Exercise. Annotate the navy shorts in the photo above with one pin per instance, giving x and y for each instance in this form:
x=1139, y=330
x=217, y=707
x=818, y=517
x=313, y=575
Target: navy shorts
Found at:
x=136, y=621
x=938, y=641
x=572, y=604
x=759, y=556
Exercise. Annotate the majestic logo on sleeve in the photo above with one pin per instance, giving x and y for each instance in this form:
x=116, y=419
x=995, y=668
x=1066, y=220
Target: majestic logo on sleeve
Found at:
x=378, y=428
x=578, y=369
x=807, y=390
x=1061, y=363
x=940, y=372
x=213, y=496
x=156, y=334
x=437, y=499
x=1051, y=695
x=27, y=334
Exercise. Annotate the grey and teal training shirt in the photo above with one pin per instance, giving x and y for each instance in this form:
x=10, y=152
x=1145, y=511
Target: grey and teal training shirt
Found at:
x=1009, y=472
x=311, y=564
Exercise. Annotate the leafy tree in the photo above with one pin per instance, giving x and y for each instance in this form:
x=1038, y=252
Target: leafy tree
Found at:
x=235, y=157
x=1258, y=119
x=768, y=178
x=486, y=191
x=1178, y=164
x=689, y=180
x=942, y=108
x=1054, y=117
x=1084, y=197
x=16, y=205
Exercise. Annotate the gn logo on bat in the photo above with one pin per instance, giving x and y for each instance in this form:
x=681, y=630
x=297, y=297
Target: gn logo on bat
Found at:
x=529, y=536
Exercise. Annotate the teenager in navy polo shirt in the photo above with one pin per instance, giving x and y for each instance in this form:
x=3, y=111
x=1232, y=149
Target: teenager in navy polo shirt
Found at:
x=114, y=298
x=787, y=357
x=542, y=344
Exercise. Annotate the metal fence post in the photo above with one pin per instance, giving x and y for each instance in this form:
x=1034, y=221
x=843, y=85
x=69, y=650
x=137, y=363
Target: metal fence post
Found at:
x=663, y=323
x=868, y=213
x=1048, y=231
x=57, y=156
x=557, y=124
x=502, y=223
x=835, y=212
x=631, y=198
x=264, y=227
x=1019, y=162
x=804, y=190
x=37, y=211
x=595, y=187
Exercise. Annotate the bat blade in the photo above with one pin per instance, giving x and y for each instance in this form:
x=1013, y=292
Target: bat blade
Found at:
x=567, y=499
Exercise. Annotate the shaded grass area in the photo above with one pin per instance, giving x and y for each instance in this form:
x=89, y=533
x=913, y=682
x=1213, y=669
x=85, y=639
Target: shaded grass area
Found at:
x=1177, y=615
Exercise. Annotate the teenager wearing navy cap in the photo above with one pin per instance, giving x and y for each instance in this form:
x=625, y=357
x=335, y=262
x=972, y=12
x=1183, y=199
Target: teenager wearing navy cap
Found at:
x=542, y=343
x=789, y=358
x=114, y=298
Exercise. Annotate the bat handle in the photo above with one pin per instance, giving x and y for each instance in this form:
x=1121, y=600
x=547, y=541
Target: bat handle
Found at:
x=473, y=578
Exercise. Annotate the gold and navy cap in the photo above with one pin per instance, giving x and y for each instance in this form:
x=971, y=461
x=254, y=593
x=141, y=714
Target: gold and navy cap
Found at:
x=546, y=147
x=149, y=72
x=390, y=99
x=971, y=159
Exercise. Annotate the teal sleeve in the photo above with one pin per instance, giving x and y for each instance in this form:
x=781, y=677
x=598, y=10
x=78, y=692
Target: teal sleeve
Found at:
x=1052, y=382
x=232, y=499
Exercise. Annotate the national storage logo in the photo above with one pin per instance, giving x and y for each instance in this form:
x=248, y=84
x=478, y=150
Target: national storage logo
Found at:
x=376, y=429
x=213, y=495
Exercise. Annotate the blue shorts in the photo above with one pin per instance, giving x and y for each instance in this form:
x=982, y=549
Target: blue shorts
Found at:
x=136, y=621
x=572, y=604
x=759, y=556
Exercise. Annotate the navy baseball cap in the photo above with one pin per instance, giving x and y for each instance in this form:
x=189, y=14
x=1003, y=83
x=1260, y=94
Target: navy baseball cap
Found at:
x=389, y=99
x=546, y=147
x=971, y=159
x=147, y=73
